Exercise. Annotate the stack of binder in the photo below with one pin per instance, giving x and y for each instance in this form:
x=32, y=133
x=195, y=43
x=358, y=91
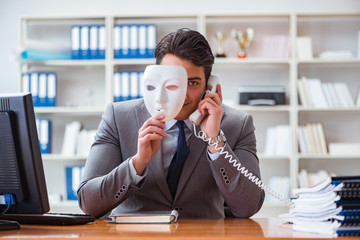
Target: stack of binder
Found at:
x=128, y=85
x=88, y=41
x=42, y=86
x=134, y=40
x=331, y=207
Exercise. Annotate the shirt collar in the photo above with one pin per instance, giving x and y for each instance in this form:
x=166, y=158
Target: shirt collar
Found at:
x=169, y=124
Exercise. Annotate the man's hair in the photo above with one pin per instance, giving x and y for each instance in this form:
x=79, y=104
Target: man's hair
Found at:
x=188, y=45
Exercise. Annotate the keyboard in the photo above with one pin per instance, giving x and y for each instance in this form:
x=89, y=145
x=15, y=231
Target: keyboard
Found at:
x=62, y=219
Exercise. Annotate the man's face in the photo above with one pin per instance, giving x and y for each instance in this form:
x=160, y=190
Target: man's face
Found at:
x=164, y=90
x=196, y=84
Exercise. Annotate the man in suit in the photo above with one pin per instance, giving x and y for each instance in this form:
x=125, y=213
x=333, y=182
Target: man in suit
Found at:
x=131, y=161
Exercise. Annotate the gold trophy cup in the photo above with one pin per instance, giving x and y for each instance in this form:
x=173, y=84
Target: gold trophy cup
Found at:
x=220, y=36
x=243, y=39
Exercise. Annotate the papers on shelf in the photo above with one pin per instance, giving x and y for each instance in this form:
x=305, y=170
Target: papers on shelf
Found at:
x=77, y=141
x=342, y=148
x=314, y=93
x=312, y=139
x=336, y=55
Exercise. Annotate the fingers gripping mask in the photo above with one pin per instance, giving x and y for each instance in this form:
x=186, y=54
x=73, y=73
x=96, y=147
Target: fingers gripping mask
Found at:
x=164, y=90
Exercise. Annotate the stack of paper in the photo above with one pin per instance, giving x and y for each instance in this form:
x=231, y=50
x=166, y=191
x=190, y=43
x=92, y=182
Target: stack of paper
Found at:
x=322, y=209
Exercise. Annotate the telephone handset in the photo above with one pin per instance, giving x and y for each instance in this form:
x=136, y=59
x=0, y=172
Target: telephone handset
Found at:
x=196, y=117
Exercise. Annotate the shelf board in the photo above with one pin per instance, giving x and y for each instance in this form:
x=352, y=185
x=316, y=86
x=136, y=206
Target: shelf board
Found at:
x=328, y=156
x=60, y=157
x=272, y=157
x=276, y=108
x=69, y=63
x=134, y=61
x=332, y=61
x=70, y=110
x=252, y=61
x=328, y=109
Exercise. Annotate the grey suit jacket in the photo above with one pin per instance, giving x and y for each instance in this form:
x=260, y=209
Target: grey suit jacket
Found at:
x=107, y=184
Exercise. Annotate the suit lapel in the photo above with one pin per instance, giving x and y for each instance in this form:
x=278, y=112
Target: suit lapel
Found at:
x=155, y=166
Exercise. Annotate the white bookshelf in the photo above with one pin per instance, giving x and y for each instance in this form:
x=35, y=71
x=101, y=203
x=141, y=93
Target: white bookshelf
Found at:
x=79, y=79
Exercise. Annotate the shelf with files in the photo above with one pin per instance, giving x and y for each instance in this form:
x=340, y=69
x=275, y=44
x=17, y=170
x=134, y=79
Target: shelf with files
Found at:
x=334, y=60
x=56, y=163
x=42, y=38
x=330, y=32
x=333, y=165
x=76, y=86
x=340, y=127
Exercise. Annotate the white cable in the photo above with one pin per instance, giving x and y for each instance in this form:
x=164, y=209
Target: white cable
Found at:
x=242, y=170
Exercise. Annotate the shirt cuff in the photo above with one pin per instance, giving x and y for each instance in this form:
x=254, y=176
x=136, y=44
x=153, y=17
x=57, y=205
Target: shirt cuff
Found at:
x=134, y=176
x=214, y=156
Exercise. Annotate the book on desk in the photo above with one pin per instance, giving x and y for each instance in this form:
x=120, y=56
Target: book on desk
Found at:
x=146, y=217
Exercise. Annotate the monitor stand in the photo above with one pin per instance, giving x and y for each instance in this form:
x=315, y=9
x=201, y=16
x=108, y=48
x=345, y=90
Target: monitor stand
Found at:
x=8, y=225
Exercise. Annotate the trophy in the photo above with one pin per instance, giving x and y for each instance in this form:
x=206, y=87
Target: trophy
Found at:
x=220, y=36
x=243, y=39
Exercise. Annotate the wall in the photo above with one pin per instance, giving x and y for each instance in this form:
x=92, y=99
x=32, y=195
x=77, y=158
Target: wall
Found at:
x=12, y=10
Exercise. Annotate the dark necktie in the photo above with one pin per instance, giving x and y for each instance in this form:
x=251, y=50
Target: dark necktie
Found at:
x=178, y=160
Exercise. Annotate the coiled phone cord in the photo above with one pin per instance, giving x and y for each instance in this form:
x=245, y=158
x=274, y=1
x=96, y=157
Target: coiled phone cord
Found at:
x=202, y=135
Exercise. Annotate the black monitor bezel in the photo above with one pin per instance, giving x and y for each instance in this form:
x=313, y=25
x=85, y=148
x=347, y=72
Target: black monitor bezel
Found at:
x=30, y=165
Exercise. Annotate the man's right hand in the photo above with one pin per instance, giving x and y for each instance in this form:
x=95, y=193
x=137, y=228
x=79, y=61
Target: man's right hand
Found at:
x=149, y=141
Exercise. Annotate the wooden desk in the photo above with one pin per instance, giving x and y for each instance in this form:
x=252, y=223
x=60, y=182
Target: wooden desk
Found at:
x=185, y=228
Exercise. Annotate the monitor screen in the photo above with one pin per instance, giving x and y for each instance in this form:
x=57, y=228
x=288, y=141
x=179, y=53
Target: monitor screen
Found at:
x=21, y=169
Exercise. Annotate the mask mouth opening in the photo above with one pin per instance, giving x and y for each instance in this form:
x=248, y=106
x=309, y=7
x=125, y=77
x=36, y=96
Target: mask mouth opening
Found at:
x=160, y=110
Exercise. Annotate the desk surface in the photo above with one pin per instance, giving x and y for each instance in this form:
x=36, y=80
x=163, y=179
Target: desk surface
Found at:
x=259, y=228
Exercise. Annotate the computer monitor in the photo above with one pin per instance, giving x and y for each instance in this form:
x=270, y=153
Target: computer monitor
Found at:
x=22, y=179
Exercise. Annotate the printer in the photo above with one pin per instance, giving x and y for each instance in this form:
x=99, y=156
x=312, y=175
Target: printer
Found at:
x=261, y=95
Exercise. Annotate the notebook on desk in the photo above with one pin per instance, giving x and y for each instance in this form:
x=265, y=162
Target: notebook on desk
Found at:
x=62, y=219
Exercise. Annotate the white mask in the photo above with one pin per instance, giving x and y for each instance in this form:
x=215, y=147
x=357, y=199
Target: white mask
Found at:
x=164, y=89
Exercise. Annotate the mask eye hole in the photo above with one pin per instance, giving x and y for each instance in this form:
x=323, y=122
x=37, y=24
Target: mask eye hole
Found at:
x=172, y=87
x=150, y=87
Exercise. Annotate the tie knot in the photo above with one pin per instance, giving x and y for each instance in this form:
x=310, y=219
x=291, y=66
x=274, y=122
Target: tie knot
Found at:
x=180, y=124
